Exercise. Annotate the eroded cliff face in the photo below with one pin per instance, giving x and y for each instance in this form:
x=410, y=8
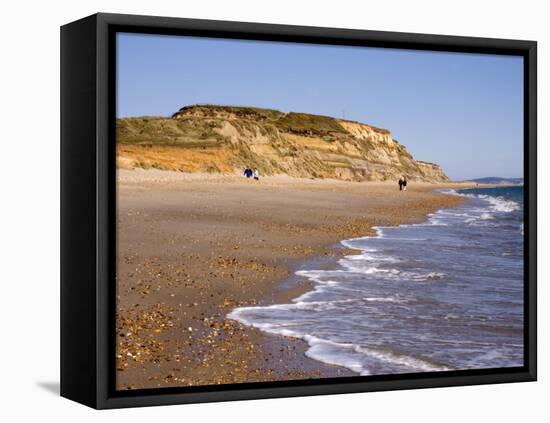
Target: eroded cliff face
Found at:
x=228, y=139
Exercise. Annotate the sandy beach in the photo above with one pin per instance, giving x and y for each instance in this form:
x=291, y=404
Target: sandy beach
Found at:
x=191, y=247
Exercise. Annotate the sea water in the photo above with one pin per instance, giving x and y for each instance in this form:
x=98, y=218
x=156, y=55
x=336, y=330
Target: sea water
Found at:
x=441, y=295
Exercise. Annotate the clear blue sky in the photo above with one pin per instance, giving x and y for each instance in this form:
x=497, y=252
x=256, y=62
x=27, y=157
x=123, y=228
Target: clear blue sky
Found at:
x=462, y=111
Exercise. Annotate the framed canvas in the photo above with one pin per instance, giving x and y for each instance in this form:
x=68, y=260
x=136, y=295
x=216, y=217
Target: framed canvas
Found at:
x=257, y=211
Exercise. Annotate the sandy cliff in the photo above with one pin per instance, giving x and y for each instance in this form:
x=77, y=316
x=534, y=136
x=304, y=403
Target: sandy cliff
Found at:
x=228, y=139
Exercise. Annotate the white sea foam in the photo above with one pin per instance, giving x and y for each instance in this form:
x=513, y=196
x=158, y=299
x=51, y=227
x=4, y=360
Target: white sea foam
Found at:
x=370, y=257
x=404, y=360
x=500, y=204
x=448, y=191
x=349, y=355
x=338, y=354
x=351, y=243
x=481, y=217
x=367, y=269
x=429, y=276
x=497, y=204
x=387, y=300
x=357, y=358
x=354, y=265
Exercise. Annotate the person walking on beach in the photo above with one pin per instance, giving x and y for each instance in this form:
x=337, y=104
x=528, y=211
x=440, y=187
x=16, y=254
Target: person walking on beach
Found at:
x=400, y=184
x=248, y=172
x=405, y=184
x=256, y=174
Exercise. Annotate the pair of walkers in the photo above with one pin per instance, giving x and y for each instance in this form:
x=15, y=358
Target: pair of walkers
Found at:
x=402, y=184
x=249, y=173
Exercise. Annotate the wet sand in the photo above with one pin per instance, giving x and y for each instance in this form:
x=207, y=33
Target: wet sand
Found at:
x=191, y=247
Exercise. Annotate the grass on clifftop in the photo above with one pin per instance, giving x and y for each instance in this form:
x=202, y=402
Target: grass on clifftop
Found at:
x=270, y=114
x=301, y=123
x=149, y=131
x=304, y=122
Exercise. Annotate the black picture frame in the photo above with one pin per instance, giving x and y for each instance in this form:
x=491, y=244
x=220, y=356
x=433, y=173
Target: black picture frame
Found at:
x=88, y=229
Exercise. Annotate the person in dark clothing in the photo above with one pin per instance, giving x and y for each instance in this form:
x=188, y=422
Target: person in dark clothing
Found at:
x=400, y=184
x=248, y=172
x=404, y=184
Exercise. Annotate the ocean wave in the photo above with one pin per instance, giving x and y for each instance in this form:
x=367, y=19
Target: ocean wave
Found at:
x=497, y=203
x=351, y=243
x=449, y=191
x=500, y=204
x=353, y=265
x=349, y=355
x=433, y=221
x=298, y=304
x=368, y=270
x=480, y=216
x=371, y=257
x=479, y=219
x=429, y=276
x=357, y=358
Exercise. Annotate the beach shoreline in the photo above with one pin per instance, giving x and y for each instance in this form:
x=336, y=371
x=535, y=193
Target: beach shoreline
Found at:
x=192, y=247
